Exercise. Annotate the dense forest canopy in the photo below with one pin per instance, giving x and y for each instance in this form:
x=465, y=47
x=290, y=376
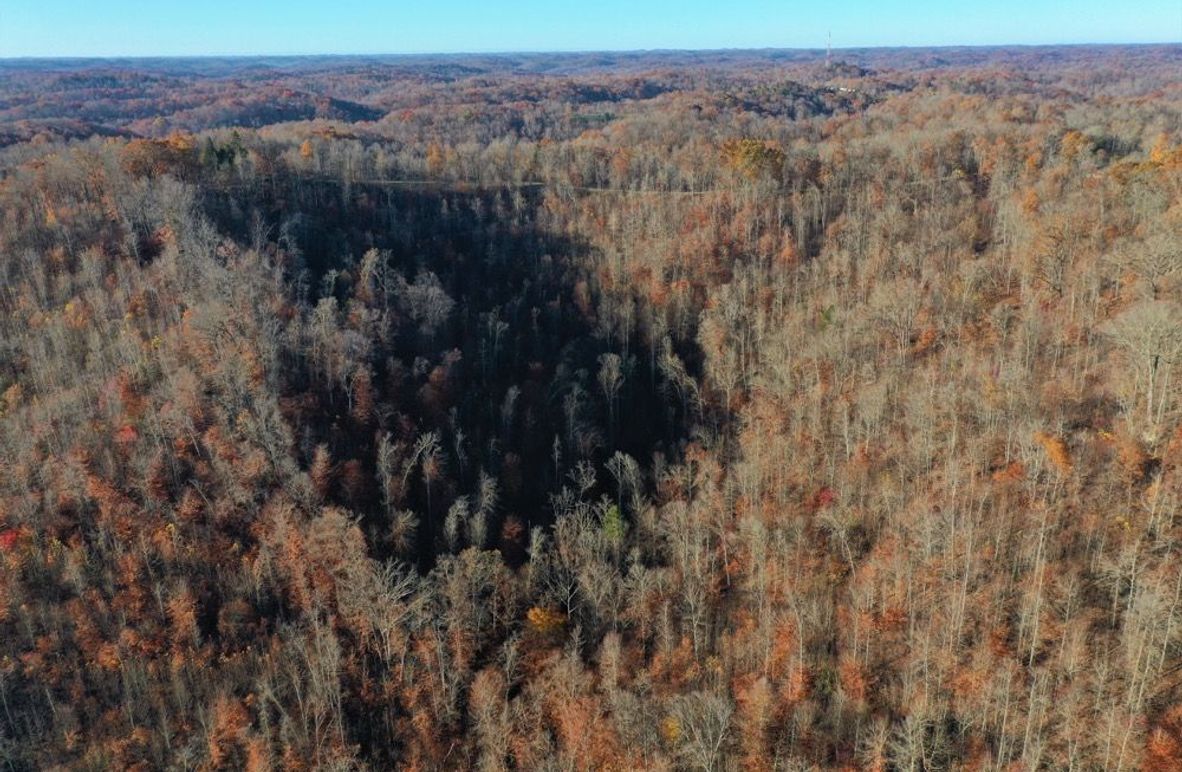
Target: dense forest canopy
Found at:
x=687, y=410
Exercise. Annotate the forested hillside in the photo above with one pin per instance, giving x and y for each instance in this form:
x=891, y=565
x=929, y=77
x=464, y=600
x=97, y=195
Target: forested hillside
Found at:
x=704, y=412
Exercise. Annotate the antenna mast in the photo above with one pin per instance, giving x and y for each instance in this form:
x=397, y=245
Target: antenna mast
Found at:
x=829, y=51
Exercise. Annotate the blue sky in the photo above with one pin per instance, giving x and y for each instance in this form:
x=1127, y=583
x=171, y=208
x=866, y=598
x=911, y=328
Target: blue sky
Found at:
x=165, y=27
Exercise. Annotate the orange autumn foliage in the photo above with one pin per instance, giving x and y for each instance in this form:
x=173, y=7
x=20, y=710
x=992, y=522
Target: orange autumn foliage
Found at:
x=1056, y=450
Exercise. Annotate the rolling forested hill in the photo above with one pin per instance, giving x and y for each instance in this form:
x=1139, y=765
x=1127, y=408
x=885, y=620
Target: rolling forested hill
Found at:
x=723, y=411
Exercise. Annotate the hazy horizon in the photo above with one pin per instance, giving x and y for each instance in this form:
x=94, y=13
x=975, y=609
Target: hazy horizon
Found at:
x=819, y=50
